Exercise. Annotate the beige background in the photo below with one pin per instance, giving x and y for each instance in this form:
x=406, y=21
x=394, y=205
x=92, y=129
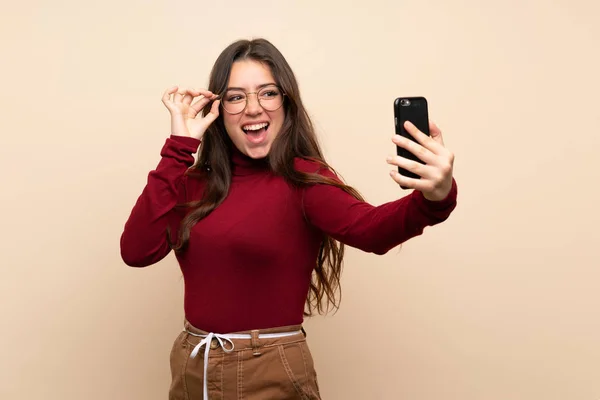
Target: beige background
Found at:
x=499, y=302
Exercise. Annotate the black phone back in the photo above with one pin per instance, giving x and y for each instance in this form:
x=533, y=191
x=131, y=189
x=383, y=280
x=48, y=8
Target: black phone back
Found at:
x=415, y=110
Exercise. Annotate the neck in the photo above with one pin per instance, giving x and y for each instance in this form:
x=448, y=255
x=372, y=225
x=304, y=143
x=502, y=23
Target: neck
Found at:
x=245, y=165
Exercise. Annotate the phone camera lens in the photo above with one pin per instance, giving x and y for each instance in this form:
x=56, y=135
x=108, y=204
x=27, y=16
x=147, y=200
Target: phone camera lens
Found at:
x=404, y=102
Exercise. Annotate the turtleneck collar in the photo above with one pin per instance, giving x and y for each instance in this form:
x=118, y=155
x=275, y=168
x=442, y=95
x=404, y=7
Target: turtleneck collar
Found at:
x=244, y=165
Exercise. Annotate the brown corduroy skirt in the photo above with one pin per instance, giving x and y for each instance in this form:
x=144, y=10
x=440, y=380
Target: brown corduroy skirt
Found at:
x=257, y=368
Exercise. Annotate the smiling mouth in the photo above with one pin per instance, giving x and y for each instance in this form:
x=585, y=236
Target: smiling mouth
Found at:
x=255, y=128
x=256, y=133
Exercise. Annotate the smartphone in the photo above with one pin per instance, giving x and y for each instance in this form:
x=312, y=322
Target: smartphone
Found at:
x=415, y=110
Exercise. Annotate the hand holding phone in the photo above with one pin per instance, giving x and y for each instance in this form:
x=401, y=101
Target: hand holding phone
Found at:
x=431, y=172
x=415, y=110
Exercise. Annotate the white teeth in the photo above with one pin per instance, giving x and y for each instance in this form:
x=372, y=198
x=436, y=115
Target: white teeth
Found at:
x=255, y=127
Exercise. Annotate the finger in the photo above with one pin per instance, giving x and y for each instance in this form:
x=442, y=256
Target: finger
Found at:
x=167, y=93
x=409, y=183
x=189, y=96
x=214, y=112
x=424, y=140
x=178, y=97
x=206, y=93
x=416, y=149
x=203, y=92
x=199, y=104
x=166, y=97
x=422, y=170
x=438, y=137
x=436, y=133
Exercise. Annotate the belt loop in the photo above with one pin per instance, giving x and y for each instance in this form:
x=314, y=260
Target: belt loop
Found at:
x=255, y=342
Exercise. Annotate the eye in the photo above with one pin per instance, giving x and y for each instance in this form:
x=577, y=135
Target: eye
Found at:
x=234, y=97
x=269, y=93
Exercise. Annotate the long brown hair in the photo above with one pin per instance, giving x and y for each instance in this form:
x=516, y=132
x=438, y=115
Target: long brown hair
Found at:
x=297, y=138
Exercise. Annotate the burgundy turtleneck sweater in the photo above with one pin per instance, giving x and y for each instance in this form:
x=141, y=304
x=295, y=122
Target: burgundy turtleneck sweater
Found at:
x=249, y=263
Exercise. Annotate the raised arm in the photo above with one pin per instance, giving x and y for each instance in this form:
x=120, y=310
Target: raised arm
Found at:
x=375, y=229
x=378, y=229
x=144, y=238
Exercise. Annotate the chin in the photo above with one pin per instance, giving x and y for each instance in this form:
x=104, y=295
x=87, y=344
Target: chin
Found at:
x=258, y=152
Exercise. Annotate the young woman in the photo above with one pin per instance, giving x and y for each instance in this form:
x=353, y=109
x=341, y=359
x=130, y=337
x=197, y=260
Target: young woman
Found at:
x=259, y=223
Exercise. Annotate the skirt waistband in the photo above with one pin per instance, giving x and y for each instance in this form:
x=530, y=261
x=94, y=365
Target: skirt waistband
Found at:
x=211, y=340
x=281, y=329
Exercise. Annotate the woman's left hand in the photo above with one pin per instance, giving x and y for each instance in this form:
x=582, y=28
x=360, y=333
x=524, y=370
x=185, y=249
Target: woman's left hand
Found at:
x=436, y=173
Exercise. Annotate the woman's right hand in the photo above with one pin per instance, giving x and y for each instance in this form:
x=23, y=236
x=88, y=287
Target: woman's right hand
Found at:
x=186, y=118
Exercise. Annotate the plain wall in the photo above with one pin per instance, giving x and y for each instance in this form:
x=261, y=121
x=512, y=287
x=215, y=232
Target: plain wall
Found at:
x=498, y=302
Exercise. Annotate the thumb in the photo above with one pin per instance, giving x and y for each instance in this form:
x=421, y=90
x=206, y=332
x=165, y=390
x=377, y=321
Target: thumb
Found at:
x=436, y=133
x=214, y=112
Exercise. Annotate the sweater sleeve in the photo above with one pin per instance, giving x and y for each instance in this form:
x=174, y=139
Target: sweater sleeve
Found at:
x=375, y=229
x=144, y=238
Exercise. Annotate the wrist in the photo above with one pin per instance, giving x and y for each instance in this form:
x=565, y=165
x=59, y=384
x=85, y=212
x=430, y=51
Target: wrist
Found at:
x=439, y=194
x=188, y=140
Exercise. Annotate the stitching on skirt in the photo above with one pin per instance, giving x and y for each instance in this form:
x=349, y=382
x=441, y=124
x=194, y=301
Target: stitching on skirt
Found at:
x=290, y=373
x=184, y=369
x=240, y=375
x=306, y=373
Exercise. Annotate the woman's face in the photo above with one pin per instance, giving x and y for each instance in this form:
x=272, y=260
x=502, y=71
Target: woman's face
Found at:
x=253, y=129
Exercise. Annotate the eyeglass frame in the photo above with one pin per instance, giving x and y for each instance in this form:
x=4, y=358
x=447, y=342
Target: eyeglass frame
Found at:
x=283, y=94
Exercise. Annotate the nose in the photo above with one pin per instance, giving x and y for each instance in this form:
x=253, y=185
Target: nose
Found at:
x=253, y=107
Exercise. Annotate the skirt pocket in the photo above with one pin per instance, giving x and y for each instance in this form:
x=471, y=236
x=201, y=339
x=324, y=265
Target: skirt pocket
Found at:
x=298, y=364
x=178, y=360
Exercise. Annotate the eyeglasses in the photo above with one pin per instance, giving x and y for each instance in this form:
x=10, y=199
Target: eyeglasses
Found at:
x=270, y=97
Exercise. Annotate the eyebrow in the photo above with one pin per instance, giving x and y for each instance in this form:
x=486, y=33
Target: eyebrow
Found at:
x=258, y=87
